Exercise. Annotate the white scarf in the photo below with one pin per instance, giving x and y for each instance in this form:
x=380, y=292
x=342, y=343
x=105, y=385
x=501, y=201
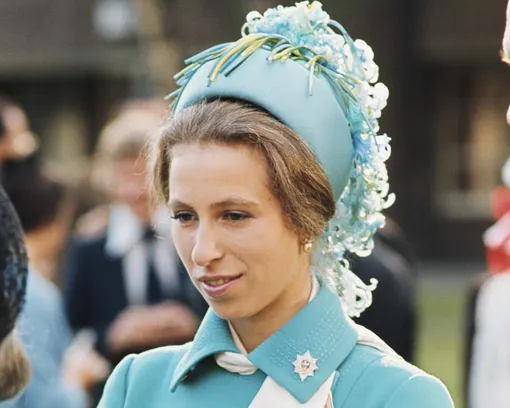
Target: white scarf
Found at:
x=271, y=391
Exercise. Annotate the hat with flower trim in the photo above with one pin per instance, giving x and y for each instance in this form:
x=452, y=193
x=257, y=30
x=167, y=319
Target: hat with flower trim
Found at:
x=305, y=69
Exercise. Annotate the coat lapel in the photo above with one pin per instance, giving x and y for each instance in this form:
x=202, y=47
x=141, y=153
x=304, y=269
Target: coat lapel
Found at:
x=321, y=329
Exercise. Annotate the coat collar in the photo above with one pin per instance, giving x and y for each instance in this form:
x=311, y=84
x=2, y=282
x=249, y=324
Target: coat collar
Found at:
x=321, y=327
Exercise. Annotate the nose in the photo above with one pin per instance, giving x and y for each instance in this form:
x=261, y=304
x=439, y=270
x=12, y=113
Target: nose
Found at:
x=205, y=249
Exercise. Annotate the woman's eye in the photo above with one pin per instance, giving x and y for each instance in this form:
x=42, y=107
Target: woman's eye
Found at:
x=235, y=216
x=183, y=217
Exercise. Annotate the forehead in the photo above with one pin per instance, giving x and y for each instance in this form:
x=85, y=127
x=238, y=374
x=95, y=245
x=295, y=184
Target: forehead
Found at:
x=209, y=171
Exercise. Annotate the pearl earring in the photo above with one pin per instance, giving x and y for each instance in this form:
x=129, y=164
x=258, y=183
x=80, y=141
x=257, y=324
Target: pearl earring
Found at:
x=308, y=246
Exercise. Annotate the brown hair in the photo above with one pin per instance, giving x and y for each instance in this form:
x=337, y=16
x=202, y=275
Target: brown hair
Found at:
x=297, y=179
x=14, y=367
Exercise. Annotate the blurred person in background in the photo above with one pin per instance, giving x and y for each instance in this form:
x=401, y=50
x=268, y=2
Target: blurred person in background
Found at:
x=486, y=325
x=95, y=192
x=124, y=278
x=497, y=248
x=16, y=139
x=14, y=363
x=489, y=363
x=485, y=373
x=60, y=378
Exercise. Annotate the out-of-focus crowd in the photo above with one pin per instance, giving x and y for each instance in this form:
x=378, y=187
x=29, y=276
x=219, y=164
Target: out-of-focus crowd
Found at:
x=103, y=282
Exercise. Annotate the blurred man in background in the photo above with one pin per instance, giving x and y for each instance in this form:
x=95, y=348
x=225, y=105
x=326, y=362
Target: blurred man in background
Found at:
x=124, y=278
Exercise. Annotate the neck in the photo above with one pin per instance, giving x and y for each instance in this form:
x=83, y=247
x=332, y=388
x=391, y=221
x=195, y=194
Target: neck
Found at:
x=255, y=330
x=41, y=263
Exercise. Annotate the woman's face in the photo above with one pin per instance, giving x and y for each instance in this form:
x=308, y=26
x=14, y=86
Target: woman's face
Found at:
x=231, y=233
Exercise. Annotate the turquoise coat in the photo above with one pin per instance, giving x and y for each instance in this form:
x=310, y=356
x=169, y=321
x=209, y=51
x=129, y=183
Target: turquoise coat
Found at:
x=366, y=376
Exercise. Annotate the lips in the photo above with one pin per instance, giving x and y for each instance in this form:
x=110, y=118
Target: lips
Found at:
x=219, y=282
x=216, y=287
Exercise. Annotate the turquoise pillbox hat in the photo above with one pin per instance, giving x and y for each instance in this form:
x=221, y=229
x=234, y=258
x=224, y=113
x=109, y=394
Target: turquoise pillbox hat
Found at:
x=282, y=88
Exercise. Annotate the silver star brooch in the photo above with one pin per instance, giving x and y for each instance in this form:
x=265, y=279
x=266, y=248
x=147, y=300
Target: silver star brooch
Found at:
x=305, y=365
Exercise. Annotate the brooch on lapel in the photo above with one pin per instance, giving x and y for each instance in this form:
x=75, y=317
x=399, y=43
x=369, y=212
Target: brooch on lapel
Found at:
x=305, y=365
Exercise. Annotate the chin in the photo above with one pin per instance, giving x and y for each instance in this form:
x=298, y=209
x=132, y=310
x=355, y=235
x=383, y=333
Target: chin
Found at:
x=230, y=310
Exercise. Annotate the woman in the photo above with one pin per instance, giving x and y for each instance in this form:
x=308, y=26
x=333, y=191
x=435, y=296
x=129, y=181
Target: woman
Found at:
x=268, y=133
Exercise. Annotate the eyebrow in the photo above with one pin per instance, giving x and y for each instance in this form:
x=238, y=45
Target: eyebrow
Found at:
x=228, y=202
x=235, y=201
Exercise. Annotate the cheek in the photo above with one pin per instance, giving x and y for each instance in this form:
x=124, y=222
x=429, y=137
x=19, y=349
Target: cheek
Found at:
x=268, y=252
